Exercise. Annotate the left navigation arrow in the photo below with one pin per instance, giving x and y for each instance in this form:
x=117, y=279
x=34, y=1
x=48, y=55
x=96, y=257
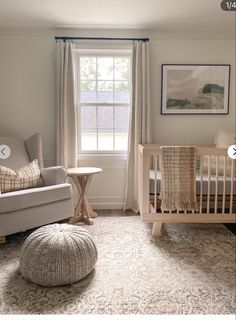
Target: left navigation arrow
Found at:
x=5, y=152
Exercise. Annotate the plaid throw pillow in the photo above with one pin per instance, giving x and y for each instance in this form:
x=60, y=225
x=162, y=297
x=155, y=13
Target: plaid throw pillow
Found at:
x=24, y=178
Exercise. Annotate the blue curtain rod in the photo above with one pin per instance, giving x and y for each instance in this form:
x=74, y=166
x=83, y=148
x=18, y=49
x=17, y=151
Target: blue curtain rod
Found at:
x=99, y=38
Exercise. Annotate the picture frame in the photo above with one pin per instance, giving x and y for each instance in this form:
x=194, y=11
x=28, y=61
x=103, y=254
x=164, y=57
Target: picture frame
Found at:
x=195, y=89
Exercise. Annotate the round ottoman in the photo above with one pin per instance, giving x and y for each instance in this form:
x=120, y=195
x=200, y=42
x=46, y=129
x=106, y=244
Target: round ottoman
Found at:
x=58, y=254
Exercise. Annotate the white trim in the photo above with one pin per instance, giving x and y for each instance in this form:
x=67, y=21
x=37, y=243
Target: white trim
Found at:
x=104, y=104
x=85, y=155
x=105, y=161
x=106, y=202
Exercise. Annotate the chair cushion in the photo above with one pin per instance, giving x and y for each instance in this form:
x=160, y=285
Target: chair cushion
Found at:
x=53, y=175
x=23, y=199
x=24, y=178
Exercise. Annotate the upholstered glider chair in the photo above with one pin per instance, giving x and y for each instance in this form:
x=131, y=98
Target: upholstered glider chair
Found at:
x=25, y=209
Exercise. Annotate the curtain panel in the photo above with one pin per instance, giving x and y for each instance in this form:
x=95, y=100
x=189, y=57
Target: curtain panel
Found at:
x=66, y=105
x=140, y=119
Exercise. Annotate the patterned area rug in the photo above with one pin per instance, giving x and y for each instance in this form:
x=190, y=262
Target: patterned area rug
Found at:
x=189, y=270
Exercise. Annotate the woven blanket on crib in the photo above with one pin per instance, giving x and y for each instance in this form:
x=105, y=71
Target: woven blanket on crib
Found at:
x=178, y=178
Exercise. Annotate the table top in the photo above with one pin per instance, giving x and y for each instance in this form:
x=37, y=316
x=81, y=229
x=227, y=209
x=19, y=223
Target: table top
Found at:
x=83, y=171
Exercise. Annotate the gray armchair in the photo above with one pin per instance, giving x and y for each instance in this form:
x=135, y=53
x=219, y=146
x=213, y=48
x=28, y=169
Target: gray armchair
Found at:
x=25, y=209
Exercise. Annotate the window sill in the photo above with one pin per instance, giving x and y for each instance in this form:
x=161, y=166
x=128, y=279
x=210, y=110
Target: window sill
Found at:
x=107, y=156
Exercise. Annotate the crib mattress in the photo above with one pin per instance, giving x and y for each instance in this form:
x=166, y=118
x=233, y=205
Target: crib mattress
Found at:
x=198, y=179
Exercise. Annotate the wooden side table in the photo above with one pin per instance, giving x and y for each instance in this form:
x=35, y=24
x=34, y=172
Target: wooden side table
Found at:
x=82, y=177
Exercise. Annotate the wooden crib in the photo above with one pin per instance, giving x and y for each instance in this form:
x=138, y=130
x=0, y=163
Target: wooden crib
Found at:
x=215, y=186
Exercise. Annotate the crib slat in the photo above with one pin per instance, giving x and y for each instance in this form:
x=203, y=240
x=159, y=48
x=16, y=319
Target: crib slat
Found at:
x=201, y=178
x=224, y=185
x=155, y=185
x=209, y=185
x=231, y=188
x=216, y=184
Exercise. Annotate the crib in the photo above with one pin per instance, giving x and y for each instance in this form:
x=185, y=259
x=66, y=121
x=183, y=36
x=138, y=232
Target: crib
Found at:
x=215, y=188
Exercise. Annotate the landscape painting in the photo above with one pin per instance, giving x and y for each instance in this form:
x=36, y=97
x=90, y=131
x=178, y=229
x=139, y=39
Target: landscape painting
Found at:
x=195, y=89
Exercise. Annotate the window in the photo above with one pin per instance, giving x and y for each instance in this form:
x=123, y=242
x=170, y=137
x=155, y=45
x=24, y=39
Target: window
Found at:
x=104, y=101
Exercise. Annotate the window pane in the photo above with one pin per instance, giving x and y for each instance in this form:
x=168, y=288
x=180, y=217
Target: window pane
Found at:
x=105, y=85
x=105, y=139
x=105, y=117
x=89, y=96
x=88, y=85
x=88, y=140
x=121, y=141
x=87, y=68
x=122, y=119
x=122, y=91
x=122, y=68
x=105, y=91
x=105, y=96
x=121, y=128
x=88, y=91
x=105, y=68
x=88, y=117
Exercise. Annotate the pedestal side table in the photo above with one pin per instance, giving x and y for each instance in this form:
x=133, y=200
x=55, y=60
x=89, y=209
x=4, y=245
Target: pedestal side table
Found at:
x=82, y=177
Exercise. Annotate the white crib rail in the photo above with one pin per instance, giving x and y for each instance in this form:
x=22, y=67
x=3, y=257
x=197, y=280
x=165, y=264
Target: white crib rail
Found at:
x=215, y=204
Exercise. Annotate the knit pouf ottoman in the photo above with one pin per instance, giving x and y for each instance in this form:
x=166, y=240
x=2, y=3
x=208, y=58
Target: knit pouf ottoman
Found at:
x=57, y=254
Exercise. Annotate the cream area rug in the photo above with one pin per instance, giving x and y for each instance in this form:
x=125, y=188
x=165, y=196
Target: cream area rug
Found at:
x=189, y=270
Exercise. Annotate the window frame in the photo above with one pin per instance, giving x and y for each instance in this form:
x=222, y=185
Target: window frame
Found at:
x=101, y=53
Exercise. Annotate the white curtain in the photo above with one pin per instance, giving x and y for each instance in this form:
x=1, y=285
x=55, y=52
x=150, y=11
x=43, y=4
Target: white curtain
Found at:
x=140, y=119
x=66, y=107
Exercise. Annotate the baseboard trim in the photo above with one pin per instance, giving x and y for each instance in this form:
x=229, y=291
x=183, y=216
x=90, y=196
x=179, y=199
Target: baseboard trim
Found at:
x=107, y=206
x=106, y=202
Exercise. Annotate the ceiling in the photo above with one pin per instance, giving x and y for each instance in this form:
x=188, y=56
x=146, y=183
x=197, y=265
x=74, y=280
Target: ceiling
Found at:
x=196, y=16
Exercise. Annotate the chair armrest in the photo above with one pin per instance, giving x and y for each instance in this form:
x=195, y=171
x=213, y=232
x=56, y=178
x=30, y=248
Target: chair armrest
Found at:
x=53, y=175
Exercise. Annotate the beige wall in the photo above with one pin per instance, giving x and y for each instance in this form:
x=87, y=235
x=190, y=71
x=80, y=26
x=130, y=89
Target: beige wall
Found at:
x=27, y=99
x=189, y=128
x=27, y=89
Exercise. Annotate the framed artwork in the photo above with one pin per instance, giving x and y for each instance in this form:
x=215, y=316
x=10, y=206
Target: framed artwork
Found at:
x=195, y=89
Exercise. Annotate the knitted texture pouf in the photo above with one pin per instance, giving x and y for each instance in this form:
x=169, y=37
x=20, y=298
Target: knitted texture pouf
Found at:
x=57, y=254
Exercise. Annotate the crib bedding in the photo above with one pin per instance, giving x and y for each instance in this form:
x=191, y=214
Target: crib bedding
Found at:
x=198, y=179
